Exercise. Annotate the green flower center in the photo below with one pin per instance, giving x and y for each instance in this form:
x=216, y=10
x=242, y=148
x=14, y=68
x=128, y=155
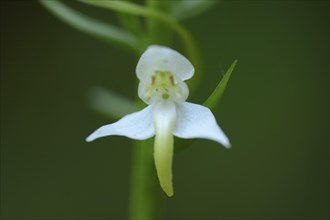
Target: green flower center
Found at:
x=163, y=88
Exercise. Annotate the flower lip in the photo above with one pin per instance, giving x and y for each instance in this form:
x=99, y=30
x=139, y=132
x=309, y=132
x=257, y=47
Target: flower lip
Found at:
x=164, y=59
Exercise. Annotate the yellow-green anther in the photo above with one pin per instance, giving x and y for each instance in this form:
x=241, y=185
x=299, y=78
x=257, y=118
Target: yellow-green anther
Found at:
x=163, y=87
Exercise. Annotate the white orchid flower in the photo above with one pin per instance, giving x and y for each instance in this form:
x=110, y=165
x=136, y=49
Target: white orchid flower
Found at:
x=162, y=72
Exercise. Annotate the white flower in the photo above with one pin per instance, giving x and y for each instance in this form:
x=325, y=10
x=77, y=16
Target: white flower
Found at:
x=162, y=72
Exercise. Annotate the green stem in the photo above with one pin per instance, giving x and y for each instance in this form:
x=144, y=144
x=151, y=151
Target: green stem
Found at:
x=158, y=31
x=145, y=190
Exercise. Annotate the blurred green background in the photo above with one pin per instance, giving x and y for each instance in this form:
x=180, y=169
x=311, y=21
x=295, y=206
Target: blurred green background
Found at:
x=275, y=111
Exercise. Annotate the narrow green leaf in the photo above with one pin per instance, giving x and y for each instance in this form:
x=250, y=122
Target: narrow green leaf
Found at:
x=211, y=102
x=216, y=96
x=184, y=9
x=90, y=25
x=110, y=104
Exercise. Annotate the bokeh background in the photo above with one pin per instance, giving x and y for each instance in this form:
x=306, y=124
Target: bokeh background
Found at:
x=275, y=111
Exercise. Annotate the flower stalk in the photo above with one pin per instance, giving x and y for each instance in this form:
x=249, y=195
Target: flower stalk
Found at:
x=144, y=200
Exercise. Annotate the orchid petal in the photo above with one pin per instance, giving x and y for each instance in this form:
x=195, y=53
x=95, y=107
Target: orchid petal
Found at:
x=137, y=126
x=197, y=121
x=159, y=58
x=164, y=116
